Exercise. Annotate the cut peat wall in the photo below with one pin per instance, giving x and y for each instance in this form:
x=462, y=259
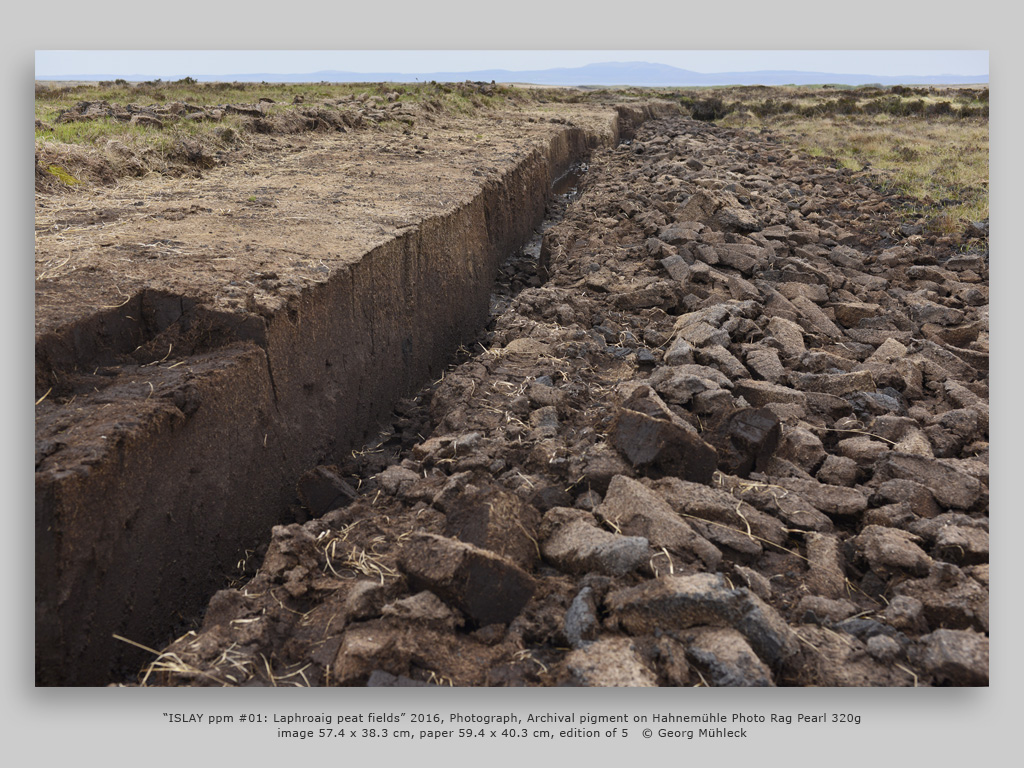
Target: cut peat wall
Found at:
x=153, y=520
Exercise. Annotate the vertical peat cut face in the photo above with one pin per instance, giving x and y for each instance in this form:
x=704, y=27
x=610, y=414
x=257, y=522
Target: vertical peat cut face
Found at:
x=152, y=479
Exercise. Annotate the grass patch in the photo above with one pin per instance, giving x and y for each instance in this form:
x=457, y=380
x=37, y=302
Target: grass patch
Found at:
x=178, y=127
x=455, y=98
x=96, y=132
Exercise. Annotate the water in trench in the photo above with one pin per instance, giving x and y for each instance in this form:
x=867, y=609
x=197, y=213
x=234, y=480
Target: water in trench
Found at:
x=521, y=269
x=567, y=185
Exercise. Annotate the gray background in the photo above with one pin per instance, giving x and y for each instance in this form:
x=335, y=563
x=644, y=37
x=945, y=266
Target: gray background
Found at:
x=126, y=727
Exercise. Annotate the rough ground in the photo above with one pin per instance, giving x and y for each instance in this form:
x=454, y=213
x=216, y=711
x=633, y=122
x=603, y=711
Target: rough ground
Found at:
x=202, y=340
x=729, y=428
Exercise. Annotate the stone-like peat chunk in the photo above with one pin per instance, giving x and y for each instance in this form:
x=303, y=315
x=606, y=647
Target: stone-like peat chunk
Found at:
x=674, y=603
x=485, y=586
x=635, y=510
x=648, y=438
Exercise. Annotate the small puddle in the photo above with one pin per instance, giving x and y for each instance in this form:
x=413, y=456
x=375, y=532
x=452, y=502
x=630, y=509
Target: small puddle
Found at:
x=567, y=185
x=521, y=269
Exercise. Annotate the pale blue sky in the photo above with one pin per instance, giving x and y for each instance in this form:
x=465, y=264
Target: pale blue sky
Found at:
x=176, y=64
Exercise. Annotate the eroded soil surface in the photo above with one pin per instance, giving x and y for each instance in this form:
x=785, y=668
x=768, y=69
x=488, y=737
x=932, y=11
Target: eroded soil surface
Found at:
x=245, y=230
x=729, y=428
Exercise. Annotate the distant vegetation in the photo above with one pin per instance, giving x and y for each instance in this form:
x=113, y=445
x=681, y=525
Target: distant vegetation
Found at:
x=105, y=131
x=927, y=144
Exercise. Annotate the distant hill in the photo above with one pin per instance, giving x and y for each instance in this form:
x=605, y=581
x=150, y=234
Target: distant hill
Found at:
x=610, y=73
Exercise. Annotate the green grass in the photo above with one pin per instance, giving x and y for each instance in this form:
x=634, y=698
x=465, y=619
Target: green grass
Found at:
x=96, y=131
x=440, y=98
x=158, y=92
x=459, y=98
x=65, y=177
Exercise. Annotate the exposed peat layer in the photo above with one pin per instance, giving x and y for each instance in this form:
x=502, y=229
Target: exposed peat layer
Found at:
x=725, y=424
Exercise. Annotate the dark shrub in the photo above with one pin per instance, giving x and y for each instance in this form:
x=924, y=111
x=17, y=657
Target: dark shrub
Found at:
x=940, y=108
x=978, y=111
x=847, y=105
x=709, y=109
x=891, y=105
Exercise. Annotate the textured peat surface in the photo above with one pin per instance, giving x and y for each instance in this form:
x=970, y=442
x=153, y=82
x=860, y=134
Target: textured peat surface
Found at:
x=728, y=428
x=194, y=359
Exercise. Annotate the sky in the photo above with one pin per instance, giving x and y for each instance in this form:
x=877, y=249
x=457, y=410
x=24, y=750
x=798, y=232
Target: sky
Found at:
x=182, y=63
